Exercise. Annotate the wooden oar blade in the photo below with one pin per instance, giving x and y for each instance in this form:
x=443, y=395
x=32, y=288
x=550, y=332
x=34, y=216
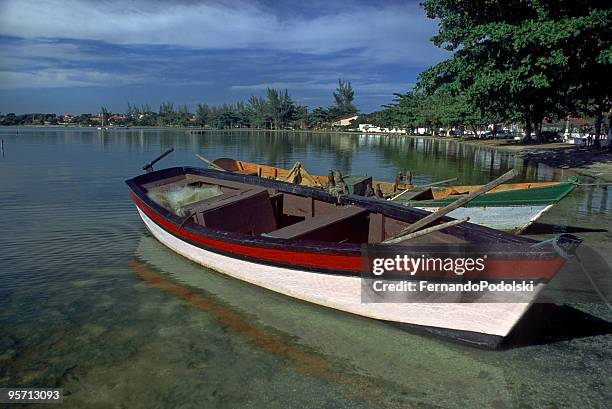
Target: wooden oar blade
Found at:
x=202, y=158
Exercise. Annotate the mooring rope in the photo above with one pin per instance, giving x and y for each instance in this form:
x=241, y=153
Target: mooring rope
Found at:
x=571, y=253
x=586, y=273
x=594, y=184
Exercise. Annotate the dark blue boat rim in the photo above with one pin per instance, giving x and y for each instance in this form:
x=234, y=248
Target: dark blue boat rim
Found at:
x=302, y=246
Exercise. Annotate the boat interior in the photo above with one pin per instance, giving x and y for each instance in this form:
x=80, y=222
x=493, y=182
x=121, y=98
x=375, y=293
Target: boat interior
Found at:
x=253, y=210
x=388, y=189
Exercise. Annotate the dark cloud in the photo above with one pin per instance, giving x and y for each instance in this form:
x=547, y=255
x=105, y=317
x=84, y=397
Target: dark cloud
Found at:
x=224, y=50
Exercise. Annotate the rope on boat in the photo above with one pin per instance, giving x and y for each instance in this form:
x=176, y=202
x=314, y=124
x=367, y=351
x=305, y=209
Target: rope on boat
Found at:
x=185, y=220
x=597, y=290
x=574, y=180
x=594, y=184
x=570, y=252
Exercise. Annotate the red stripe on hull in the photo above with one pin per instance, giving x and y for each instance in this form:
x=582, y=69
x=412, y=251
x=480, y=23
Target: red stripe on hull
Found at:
x=519, y=269
x=330, y=261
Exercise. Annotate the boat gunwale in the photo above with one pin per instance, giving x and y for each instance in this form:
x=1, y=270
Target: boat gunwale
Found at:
x=562, y=189
x=394, y=210
x=486, y=200
x=239, y=238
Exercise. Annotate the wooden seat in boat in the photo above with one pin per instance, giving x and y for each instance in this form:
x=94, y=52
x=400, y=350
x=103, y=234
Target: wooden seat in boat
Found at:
x=319, y=226
x=244, y=211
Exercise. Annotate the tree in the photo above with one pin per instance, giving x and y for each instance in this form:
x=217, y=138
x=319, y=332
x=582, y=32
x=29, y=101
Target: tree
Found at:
x=300, y=116
x=105, y=114
x=344, y=96
x=182, y=116
x=202, y=114
x=318, y=116
x=286, y=108
x=273, y=107
x=257, y=112
x=523, y=60
x=280, y=108
x=132, y=112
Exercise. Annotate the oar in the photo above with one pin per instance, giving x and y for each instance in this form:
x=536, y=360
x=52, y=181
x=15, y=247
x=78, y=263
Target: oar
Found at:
x=149, y=166
x=210, y=163
x=441, y=182
x=422, y=186
x=419, y=224
x=408, y=236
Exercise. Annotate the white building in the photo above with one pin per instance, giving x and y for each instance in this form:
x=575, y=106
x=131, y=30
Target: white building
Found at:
x=345, y=120
x=377, y=129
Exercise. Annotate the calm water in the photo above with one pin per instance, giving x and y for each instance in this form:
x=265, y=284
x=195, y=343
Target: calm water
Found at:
x=91, y=303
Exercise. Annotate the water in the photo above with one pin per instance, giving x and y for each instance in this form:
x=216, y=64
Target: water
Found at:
x=91, y=303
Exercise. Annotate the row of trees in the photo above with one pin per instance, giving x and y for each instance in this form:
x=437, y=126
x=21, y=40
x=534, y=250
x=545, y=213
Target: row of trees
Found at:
x=416, y=109
x=276, y=110
x=514, y=62
x=12, y=119
x=144, y=115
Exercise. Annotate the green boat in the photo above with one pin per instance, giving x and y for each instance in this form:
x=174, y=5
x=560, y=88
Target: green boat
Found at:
x=511, y=207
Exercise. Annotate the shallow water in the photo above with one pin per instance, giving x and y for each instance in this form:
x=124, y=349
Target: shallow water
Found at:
x=91, y=303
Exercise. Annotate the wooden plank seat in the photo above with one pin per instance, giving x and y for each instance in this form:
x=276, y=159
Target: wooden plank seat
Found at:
x=246, y=211
x=213, y=202
x=309, y=227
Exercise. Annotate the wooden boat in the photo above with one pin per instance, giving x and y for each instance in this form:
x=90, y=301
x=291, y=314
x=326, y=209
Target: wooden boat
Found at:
x=509, y=207
x=307, y=244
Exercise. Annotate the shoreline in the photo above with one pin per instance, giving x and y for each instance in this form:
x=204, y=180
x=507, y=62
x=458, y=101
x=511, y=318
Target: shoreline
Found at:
x=584, y=161
x=596, y=164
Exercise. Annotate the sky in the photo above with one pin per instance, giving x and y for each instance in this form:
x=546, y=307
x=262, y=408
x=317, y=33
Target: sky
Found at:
x=76, y=55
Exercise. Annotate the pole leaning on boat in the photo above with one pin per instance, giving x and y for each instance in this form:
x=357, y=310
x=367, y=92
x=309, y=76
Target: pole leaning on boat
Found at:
x=456, y=204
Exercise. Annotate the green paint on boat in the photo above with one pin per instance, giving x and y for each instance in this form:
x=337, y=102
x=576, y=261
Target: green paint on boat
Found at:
x=535, y=196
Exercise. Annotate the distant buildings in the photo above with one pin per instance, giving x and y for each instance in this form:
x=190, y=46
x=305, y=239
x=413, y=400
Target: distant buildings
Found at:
x=345, y=120
x=377, y=129
x=116, y=118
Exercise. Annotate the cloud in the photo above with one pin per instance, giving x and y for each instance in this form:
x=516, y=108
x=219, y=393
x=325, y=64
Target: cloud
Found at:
x=157, y=50
x=58, y=77
x=309, y=85
x=362, y=87
x=382, y=34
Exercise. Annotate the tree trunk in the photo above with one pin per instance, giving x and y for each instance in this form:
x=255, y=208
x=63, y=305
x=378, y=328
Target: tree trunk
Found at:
x=474, y=130
x=537, y=128
x=528, y=129
x=598, y=121
x=610, y=130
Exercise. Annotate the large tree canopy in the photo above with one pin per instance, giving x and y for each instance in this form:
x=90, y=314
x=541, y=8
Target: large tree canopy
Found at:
x=523, y=60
